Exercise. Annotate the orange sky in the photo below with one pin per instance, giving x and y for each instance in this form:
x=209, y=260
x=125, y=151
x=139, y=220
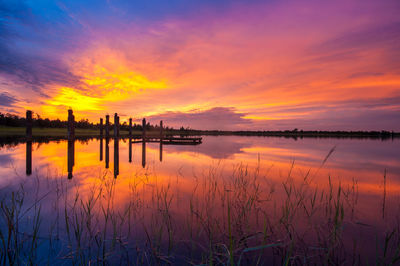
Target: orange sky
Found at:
x=272, y=65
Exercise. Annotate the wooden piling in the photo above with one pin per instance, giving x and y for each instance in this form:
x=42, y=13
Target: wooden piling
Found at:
x=144, y=129
x=107, y=126
x=28, y=125
x=130, y=127
x=161, y=131
x=101, y=127
x=116, y=126
x=71, y=125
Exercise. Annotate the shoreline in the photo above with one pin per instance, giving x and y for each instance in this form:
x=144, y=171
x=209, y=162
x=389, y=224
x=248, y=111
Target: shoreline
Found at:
x=47, y=134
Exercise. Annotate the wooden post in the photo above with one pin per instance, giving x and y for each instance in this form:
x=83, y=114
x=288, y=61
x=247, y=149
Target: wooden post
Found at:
x=28, y=125
x=71, y=125
x=161, y=131
x=101, y=127
x=130, y=127
x=144, y=129
x=107, y=126
x=116, y=125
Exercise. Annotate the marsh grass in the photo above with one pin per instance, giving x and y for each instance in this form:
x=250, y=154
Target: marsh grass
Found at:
x=240, y=218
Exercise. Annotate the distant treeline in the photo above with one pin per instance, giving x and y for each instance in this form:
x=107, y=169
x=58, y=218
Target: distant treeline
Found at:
x=295, y=134
x=17, y=121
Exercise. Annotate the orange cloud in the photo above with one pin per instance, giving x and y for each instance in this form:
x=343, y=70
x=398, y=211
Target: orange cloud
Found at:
x=258, y=59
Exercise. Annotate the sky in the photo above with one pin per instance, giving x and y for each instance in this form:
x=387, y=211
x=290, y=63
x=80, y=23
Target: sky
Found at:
x=231, y=65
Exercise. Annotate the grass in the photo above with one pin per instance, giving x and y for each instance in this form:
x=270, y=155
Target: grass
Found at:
x=6, y=131
x=234, y=218
x=51, y=132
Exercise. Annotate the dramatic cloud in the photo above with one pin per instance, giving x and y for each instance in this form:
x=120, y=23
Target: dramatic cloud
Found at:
x=240, y=64
x=216, y=118
x=7, y=100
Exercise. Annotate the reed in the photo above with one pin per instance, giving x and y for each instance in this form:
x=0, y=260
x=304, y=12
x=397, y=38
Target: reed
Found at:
x=228, y=217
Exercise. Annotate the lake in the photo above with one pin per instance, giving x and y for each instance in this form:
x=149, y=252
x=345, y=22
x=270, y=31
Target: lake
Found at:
x=245, y=200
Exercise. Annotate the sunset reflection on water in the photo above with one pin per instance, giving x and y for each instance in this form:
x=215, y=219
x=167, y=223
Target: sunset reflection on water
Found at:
x=201, y=176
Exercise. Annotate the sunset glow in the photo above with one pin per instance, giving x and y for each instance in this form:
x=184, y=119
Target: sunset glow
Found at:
x=233, y=65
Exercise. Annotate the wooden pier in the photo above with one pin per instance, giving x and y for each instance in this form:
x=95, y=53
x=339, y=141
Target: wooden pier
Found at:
x=151, y=137
x=171, y=140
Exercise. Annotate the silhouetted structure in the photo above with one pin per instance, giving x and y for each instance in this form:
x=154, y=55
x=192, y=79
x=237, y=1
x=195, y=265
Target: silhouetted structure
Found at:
x=161, y=131
x=116, y=125
x=107, y=126
x=28, y=125
x=71, y=125
x=28, y=157
x=144, y=129
x=101, y=127
x=71, y=158
x=130, y=128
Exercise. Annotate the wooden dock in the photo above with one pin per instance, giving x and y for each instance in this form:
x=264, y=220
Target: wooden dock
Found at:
x=172, y=140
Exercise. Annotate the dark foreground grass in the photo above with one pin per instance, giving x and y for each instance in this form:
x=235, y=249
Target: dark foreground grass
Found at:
x=6, y=131
x=239, y=218
x=50, y=132
x=56, y=132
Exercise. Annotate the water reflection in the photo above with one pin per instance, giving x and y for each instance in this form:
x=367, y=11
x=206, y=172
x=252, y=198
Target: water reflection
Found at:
x=161, y=151
x=130, y=148
x=350, y=155
x=194, y=182
x=144, y=153
x=101, y=147
x=116, y=157
x=107, y=153
x=29, y=158
x=71, y=157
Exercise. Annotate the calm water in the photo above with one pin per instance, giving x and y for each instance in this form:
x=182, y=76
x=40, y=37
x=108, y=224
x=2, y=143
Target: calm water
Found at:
x=228, y=195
